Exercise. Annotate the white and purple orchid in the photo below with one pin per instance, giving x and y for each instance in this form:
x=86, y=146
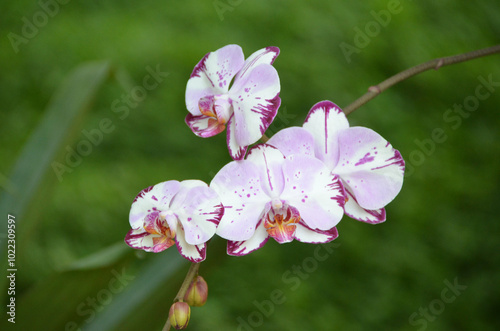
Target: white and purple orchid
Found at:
x=268, y=195
x=370, y=169
x=182, y=213
x=247, y=108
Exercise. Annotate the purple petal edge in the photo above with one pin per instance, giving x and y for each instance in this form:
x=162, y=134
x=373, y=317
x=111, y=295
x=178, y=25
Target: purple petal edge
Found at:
x=381, y=218
x=333, y=232
x=129, y=236
x=202, y=252
x=200, y=67
x=232, y=246
x=327, y=104
x=270, y=111
x=241, y=152
x=270, y=49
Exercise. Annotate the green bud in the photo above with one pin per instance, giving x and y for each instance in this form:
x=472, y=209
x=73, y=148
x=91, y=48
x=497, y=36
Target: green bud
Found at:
x=179, y=315
x=197, y=292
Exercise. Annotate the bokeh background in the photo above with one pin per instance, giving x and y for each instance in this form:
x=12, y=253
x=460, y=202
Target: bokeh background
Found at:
x=73, y=269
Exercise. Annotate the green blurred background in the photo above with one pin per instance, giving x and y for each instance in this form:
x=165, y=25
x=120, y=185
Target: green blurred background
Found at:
x=73, y=269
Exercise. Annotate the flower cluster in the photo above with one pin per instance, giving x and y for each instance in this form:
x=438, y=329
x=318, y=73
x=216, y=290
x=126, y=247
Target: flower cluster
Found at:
x=297, y=185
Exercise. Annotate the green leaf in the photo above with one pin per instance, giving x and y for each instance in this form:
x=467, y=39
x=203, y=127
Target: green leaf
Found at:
x=29, y=179
x=102, y=258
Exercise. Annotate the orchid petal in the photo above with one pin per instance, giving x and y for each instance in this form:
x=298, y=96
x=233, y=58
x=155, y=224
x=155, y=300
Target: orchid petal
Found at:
x=238, y=184
x=324, y=121
x=255, y=103
x=311, y=189
x=198, y=209
x=266, y=55
x=194, y=253
x=307, y=235
x=204, y=126
x=293, y=140
x=269, y=161
x=155, y=197
x=355, y=211
x=258, y=239
x=236, y=151
x=369, y=166
x=212, y=75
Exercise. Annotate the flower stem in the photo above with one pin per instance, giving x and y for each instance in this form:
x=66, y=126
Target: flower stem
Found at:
x=373, y=91
x=191, y=274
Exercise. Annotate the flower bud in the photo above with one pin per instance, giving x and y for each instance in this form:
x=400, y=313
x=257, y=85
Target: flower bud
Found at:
x=179, y=315
x=197, y=292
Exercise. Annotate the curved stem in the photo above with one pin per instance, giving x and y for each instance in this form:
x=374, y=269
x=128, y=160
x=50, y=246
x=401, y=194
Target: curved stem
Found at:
x=435, y=64
x=191, y=274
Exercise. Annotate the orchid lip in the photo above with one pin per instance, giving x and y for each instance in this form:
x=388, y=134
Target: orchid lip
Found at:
x=206, y=106
x=216, y=106
x=281, y=222
x=160, y=224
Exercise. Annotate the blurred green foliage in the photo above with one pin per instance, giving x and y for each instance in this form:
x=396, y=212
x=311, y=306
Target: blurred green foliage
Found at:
x=443, y=226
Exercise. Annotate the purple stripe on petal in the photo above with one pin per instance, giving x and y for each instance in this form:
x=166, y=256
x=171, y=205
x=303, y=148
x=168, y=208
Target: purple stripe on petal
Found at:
x=324, y=121
x=397, y=160
x=365, y=159
x=218, y=211
x=336, y=185
x=268, y=172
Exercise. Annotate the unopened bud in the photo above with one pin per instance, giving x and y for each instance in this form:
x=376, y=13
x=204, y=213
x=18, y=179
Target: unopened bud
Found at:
x=197, y=292
x=179, y=315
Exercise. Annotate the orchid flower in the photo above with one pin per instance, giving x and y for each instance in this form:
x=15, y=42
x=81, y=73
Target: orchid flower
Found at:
x=182, y=213
x=247, y=108
x=370, y=169
x=268, y=195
